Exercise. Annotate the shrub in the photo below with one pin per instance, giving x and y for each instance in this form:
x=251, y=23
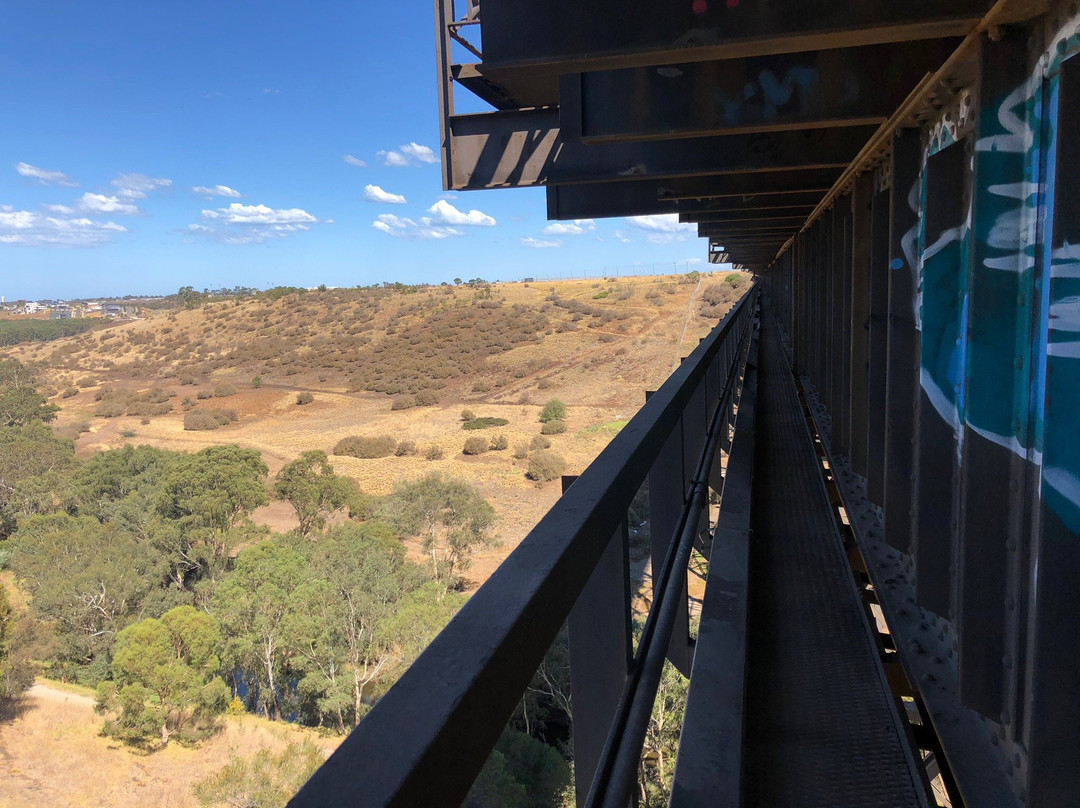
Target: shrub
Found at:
x=304, y=398
x=199, y=421
x=224, y=390
x=365, y=446
x=434, y=452
x=476, y=445
x=144, y=421
x=256, y=382
x=202, y=395
x=539, y=442
x=403, y=403
x=545, y=465
x=128, y=433
x=427, y=398
x=544, y=384
x=500, y=442
x=70, y=392
x=521, y=451
x=405, y=447
x=554, y=410
x=86, y=381
x=467, y=415
x=553, y=428
x=484, y=423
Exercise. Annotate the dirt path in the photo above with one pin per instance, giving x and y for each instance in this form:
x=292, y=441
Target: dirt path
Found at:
x=49, y=693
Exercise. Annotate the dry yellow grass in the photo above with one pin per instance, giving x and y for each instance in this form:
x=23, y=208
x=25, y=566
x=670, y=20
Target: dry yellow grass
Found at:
x=600, y=373
x=51, y=753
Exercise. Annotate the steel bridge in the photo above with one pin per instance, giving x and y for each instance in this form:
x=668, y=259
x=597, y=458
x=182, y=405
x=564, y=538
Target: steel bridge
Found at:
x=890, y=417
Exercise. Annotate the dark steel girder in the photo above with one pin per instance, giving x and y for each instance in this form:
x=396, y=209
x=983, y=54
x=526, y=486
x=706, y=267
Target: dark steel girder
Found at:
x=523, y=148
x=759, y=203
x=679, y=195
x=560, y=37
x=822, y=89
x=748, y=217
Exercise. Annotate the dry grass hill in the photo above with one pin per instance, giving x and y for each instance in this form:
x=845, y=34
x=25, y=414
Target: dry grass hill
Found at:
x=389, y=361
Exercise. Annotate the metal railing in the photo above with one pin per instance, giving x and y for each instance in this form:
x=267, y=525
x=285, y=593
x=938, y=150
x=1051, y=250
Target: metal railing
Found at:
x=426, y=740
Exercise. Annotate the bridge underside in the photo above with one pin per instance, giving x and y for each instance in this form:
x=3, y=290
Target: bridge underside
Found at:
x=892, y=594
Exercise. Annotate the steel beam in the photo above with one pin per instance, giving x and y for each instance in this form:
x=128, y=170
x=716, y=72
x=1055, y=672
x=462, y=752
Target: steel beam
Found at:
x=860, y=321
x=599, y=200
x=902, y=374
x=523, y=148
x=820, y=89
x=879, y=350
x=560, y=37
x=795, y=216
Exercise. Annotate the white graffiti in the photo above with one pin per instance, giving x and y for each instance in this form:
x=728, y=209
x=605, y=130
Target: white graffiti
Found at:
x=1065, y=261
x=1065, y=314
x=1064, y=482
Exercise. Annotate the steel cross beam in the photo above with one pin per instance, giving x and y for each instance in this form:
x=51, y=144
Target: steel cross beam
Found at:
x=811, y=90
x=558, y=37
x=678, y=195
x=523, y=148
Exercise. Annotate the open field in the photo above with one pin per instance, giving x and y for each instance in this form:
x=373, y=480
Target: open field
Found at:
x=509, y=347
x=51, y=753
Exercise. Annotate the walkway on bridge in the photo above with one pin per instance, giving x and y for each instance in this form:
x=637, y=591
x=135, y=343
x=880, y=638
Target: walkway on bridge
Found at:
x=821, y=726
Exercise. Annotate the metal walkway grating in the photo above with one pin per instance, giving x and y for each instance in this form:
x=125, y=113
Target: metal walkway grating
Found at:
x=821, y=726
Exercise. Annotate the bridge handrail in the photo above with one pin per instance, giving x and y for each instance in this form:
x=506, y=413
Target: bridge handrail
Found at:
x=427, y=738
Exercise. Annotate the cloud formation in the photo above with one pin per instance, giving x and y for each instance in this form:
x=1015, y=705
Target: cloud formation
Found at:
x=540, y=244
x=404, y=227
x=662, y=228
x=137, y=186
x=373, y=193
x=61, y=209
x=354, y=161
x=45, y=176
x=577, y=227
x=216, y=190
x=444, y=213
x=252, y=224
x=100, y=203
x=410, y=154
x=28, y=228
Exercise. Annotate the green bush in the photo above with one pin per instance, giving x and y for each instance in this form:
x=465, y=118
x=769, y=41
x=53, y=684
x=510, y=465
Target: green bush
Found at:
x=256, y=382
x=553, y=428
x=554, y=410
x=304, y=398
x=70, y=392
x=484, y=423
x=365, y=446
x=476, y=445
x=545, y=466
x=200, y=421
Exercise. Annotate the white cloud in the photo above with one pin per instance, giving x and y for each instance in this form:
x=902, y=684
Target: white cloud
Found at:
x=45, y=176
x=662, y=228
x=410, y=154
x=354, y=161
x=577, y=227
x=24, y=227
x=445, y=213
x=539, y=244
x=623, y=237
x=252, y=224
x=99, y=203
x=420, y=153
x=237, y=213
x=137, y=186
x=373, y=193
x=216, y=190
x=61, y=209
x=403, y=227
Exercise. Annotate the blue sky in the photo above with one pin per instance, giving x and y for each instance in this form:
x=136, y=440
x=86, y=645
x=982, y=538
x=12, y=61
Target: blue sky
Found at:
x=150, y=145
